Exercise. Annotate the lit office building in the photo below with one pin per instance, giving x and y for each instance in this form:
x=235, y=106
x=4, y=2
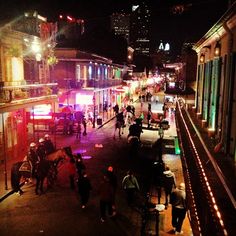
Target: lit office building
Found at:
x=140, y=29
x=120, y=24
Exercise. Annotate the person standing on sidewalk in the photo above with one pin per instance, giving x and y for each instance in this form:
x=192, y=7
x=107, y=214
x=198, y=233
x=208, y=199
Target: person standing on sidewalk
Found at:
x=130, y=185
x=84, y=188
x=169, y=184
x=178, y=201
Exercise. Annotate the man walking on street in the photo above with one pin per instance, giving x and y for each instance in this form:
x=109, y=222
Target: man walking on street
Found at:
x=169, y=183
x=130, y=185
x=178, y=201
x=106, y=192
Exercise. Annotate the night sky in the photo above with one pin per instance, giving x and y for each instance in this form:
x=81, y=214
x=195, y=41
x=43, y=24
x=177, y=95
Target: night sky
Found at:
x=198, y=15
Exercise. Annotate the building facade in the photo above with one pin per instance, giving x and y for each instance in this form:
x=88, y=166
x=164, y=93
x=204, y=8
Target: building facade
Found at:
x=216, y=81
x=120, y=24
x=24, y=83
x=88, y=82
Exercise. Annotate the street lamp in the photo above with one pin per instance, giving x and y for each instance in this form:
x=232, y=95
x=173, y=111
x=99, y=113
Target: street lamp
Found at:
x=217, y=49
x=94, y=108
x=202, y=58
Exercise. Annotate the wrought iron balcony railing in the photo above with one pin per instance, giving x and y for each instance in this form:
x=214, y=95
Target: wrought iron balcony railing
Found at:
x=91, y=84
x=9, y=94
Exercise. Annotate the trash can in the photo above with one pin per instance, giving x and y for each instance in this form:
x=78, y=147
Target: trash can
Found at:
x=99, y=121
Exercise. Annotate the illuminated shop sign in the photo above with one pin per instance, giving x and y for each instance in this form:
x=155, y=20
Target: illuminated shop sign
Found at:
x=41, y=112
x=84, y=99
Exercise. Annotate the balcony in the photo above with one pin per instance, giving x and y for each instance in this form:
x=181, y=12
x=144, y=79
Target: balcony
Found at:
x=26, y=93
x=93, y=83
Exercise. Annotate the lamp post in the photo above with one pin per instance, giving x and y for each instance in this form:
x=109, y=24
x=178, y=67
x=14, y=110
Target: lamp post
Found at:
x=94, y=109
x=5, y=152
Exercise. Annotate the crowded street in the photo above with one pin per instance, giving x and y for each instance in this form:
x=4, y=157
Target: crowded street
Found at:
x=58, y=210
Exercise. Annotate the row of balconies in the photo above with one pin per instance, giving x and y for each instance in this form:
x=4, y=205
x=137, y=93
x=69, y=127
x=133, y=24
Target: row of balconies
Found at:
x=21, y=92
x=93, y=83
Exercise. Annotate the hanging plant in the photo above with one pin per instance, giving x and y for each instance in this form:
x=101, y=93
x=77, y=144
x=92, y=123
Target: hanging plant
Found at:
x=52, y=60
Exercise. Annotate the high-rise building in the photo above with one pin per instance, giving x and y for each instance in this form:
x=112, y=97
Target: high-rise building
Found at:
x=140, y=29
x=120, y=24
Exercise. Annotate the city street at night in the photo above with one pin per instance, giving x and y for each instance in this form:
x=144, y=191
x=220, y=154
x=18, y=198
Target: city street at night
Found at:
x=117, y=118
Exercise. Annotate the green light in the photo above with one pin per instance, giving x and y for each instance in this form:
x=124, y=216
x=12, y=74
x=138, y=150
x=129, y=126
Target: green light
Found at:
x=177, y=149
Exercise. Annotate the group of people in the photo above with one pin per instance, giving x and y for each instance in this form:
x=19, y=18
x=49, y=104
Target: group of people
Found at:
x=128, y=119
x=78, y=174
x=107, y=189
x=37, y=154
x=165, y=180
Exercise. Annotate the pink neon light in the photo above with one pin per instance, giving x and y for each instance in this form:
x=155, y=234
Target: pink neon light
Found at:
x=43, y=111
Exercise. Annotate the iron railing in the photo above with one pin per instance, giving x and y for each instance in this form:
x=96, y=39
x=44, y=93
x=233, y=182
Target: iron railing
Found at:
x=21, y=92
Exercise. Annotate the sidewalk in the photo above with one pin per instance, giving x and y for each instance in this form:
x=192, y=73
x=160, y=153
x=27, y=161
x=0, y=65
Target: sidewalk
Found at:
x=171, y=160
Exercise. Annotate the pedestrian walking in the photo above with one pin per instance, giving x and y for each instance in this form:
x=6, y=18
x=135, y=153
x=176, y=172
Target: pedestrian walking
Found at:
x=130, y=185
x=178, y=201
x=169, y=184
x=72, y=172
x=161, y=132
x=84, y=188
x=84, y=122
x=113, y=180
x=119, y=124
x=158, y=149
x=79, y=164
x=116, y=109
x=158, y=169
x=106, y=192
x=79, y=131
x=15, y=178
x=149, y=117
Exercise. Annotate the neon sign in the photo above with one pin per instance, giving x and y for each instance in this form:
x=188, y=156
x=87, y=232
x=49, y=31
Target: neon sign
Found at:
x=84, y=99
x=41, y=112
